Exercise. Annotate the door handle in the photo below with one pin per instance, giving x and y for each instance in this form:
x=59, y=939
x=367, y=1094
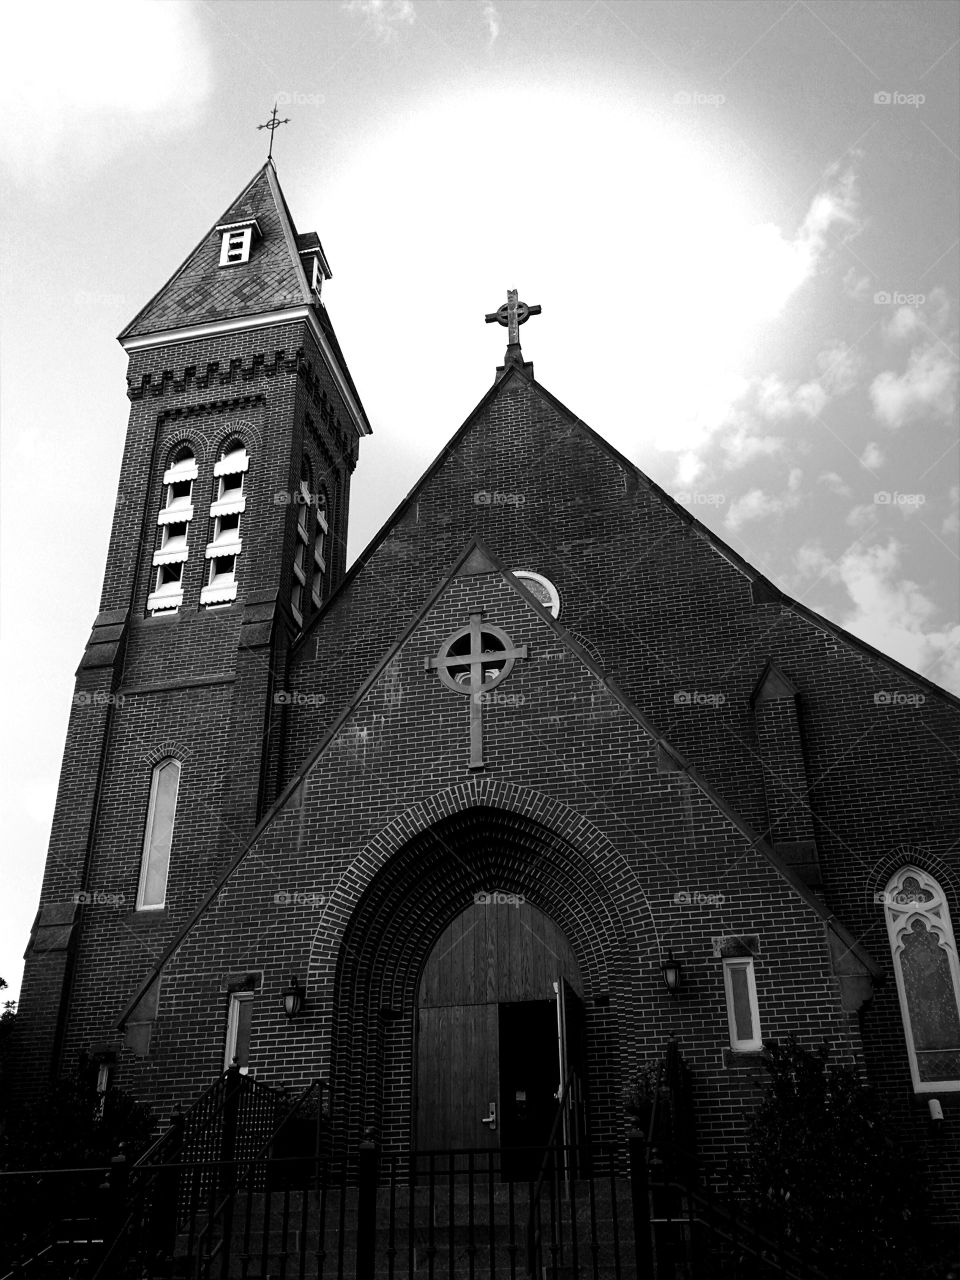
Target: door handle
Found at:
x=491, y=1119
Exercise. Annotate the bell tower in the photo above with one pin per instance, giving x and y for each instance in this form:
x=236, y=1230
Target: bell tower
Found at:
x=229, y=532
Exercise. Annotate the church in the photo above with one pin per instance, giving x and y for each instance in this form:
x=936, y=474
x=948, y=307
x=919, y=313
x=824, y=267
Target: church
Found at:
x=548, y=781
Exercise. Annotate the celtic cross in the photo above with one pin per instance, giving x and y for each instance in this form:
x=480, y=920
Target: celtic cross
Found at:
x=273, y=124
x=512, y=315
x=472, y=661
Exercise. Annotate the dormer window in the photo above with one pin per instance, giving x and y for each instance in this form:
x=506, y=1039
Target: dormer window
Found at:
x=174, y=521
x=237, y=241
x=315, y=264
x=317, y=277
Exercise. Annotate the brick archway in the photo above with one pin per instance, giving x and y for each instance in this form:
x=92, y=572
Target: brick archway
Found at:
x=408, y=885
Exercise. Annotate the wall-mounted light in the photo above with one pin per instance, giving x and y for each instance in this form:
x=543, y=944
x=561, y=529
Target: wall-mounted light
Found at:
x=672, y=972
x=294, y=998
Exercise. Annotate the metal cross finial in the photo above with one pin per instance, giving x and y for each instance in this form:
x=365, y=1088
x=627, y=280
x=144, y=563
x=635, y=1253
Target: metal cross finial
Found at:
x=512, y=314
x=273, y=124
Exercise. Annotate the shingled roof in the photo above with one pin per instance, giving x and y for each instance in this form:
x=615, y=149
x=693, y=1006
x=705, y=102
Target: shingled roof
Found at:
x=200, y=290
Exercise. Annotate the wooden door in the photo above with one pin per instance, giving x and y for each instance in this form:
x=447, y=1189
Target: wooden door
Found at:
x=490, y=955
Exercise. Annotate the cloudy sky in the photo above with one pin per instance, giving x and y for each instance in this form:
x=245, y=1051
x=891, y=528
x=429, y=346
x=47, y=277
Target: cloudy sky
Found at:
x=739, y=219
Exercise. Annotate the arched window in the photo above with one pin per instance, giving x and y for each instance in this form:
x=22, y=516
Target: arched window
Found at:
x=152, y=890
x=928, y=978
x=174, y=521
x=229, y=504
x=301, y=567
x=320, y=548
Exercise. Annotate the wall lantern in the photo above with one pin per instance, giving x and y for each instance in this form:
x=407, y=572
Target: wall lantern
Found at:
x=294, y=998
x=672, y=972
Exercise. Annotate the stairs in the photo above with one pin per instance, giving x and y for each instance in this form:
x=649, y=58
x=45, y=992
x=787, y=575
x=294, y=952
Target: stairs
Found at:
x=426, y=1234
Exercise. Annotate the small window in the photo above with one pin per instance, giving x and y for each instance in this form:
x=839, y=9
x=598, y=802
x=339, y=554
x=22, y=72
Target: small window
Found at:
x=174, y=522
x=155, y=865
x=742, y=1013
x=928, y=978
x=239, y=1018
x=541, y=588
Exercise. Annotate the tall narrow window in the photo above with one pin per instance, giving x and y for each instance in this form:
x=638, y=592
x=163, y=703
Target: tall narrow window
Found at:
x=320, y=549
x=174, y=521
x=298, y=587
x=928, y=978
x=152, y=891
x=229, y=504
x=743, y=1014
x=239, y=1018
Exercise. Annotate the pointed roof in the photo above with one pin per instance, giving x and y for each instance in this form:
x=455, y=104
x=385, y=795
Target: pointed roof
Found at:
x=477, y=558
x=200, y=290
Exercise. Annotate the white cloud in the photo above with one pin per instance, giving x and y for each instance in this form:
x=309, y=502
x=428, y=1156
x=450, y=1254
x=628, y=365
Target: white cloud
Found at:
x=492, y=18
x=894, y=615
x=777, y=401
x=383, y=17
x=903, y=324
x=839, y=367
x=927, y=388
x=740, y=446
x=862, y=517
x=856, y=286
x=873, y=456
x=835, y=483
x=757, y=505
x=951, y=523
x=79, y=82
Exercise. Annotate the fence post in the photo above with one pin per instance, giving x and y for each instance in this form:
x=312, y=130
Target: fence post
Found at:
x=366, y=1207
x=640, y=1197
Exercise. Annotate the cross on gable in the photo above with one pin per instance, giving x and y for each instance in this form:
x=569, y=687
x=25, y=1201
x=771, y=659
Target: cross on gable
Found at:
x=472, y=661
x=512, y=315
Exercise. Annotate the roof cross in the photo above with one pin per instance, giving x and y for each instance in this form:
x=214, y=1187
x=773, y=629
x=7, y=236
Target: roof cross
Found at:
x=512, y=314
x=273, y=124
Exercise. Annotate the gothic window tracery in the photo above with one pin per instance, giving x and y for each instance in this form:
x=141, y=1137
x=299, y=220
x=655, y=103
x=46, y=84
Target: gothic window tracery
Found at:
x=928, y=978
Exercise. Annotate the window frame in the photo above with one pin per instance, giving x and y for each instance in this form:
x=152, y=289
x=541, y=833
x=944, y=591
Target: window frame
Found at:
x=739, y=1045
x=237, y=999
x=899, y=919
x=140, y=905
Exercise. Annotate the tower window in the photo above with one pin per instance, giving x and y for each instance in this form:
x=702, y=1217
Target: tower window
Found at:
x=743, y=1014
x=928, y=978
x=155, y=864
x=228, y=505
x=174, y=521
x=236, y=241
x=320, y=549
x=301, y=568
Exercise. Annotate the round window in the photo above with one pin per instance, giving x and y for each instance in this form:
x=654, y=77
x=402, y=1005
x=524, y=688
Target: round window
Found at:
x=541, y=588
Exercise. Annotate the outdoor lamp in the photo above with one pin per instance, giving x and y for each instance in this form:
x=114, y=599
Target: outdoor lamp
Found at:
x=672, y=972
x=293, y=998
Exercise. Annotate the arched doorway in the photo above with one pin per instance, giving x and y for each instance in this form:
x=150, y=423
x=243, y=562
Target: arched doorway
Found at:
x=500, y=1032
x=423, y=887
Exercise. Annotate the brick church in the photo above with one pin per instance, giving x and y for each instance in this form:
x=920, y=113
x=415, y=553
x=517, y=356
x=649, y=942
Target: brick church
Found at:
x=548, y=779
